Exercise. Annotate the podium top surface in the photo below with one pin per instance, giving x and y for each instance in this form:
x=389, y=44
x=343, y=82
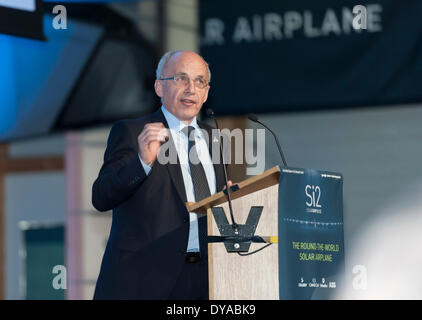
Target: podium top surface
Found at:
x=264, y=180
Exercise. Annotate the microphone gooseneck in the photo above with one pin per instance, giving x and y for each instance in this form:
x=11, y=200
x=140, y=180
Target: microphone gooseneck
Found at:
x=254, y=118
x=210, y=114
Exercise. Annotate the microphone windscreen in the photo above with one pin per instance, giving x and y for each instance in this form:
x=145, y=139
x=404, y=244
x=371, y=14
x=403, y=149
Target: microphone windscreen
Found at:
x=252, y=117
x=210, y=112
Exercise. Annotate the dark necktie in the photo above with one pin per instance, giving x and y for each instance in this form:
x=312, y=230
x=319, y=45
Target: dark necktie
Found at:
x=200, y=185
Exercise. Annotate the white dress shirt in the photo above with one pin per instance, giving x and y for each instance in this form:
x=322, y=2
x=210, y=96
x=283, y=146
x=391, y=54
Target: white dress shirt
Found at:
x=181, y=143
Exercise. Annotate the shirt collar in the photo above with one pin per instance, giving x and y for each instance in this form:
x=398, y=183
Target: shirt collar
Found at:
x=175, y=124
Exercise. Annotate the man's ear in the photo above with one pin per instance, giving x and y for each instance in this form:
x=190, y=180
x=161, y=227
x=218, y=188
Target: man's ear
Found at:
x=158, y=86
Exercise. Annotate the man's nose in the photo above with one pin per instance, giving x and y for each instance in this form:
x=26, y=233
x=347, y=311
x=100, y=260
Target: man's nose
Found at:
x=190, y=87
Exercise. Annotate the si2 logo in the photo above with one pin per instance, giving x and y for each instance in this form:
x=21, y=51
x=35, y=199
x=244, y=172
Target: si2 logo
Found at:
x=313, y=193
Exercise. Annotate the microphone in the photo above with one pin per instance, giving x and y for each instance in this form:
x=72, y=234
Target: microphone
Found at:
x=254, y=118
x=211, y=115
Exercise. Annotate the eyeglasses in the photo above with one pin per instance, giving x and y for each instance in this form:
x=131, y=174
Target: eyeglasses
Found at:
x=181, y=80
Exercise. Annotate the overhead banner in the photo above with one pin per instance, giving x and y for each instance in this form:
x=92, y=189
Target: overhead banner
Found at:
x=23, y=18
x=310, y=233
x=271, y=55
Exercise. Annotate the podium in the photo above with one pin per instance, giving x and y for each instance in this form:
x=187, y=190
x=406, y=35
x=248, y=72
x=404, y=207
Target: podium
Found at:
x=236, y=277
x=260, y=275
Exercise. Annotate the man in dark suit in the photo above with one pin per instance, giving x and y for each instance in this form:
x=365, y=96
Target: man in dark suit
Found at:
x=156, y=248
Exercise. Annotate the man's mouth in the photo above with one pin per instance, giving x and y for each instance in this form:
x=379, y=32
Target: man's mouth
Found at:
x=188, y=102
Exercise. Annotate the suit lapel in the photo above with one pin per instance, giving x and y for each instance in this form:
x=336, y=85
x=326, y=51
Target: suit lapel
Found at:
x=174, y=169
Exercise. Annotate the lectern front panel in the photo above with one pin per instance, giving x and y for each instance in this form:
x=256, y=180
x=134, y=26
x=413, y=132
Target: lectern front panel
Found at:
x=242, y=277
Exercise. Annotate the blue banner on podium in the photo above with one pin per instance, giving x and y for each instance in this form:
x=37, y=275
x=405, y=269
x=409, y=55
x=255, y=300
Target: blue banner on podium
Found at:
x=310, y=233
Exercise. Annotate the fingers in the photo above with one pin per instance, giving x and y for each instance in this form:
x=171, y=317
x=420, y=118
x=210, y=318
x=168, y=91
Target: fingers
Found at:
x=230, y=183
x=153, y=137
x=153, y=132
x=150, y=140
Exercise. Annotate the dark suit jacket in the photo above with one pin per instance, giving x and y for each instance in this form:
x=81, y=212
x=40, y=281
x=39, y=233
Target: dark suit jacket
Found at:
x=150, y=227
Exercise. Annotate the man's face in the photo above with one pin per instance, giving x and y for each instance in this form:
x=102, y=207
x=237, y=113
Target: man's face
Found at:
x=183, y=101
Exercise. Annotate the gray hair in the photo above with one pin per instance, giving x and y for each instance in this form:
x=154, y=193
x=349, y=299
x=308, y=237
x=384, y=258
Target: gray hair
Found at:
x=166, y=57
